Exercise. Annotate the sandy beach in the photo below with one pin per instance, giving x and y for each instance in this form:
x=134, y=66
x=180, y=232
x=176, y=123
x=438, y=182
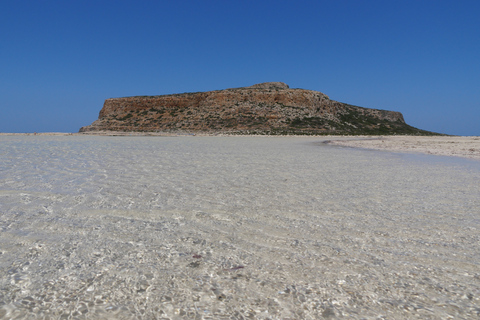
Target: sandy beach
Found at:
x=467, y=147
x=190, y=227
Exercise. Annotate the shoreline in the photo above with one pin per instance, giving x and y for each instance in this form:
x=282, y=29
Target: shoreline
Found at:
x=457, y=146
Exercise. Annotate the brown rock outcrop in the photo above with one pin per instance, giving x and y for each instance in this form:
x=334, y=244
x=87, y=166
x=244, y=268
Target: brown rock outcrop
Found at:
x=265, y=108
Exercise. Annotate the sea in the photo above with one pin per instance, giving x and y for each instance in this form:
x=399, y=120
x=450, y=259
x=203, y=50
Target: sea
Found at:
x=234, y=227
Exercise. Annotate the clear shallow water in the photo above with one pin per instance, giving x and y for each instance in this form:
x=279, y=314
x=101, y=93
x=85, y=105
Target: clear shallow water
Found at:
x=241, y=227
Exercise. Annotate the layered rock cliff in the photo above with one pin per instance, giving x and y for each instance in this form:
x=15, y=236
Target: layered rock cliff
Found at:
x=265, y=108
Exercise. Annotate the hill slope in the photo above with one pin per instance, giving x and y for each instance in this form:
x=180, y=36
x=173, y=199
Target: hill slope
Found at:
x=266, y=108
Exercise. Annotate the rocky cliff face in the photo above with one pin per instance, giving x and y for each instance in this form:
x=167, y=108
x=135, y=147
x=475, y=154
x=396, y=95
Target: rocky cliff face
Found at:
x=265, y=108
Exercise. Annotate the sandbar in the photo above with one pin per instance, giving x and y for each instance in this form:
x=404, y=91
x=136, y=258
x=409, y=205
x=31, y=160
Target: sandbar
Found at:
x=459, y=146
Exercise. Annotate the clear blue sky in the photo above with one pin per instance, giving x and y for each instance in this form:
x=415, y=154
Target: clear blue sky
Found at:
x=59, y=60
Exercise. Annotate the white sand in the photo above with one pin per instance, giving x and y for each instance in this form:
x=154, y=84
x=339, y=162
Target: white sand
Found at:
x=234, y=227
x=467, y=147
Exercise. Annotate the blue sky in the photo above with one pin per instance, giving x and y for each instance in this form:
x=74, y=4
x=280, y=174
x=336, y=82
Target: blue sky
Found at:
x=59, y=60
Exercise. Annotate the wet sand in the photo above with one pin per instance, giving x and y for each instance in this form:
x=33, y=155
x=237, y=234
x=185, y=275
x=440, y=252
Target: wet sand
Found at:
x=98, y=227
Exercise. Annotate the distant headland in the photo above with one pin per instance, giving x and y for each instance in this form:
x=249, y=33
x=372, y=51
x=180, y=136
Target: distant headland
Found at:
x=265, y=108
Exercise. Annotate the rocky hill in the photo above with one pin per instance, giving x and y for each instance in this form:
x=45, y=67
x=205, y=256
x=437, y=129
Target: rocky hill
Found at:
x=265, y=108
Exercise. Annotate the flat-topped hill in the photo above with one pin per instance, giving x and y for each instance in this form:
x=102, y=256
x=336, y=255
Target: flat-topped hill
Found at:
x=265, y=108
